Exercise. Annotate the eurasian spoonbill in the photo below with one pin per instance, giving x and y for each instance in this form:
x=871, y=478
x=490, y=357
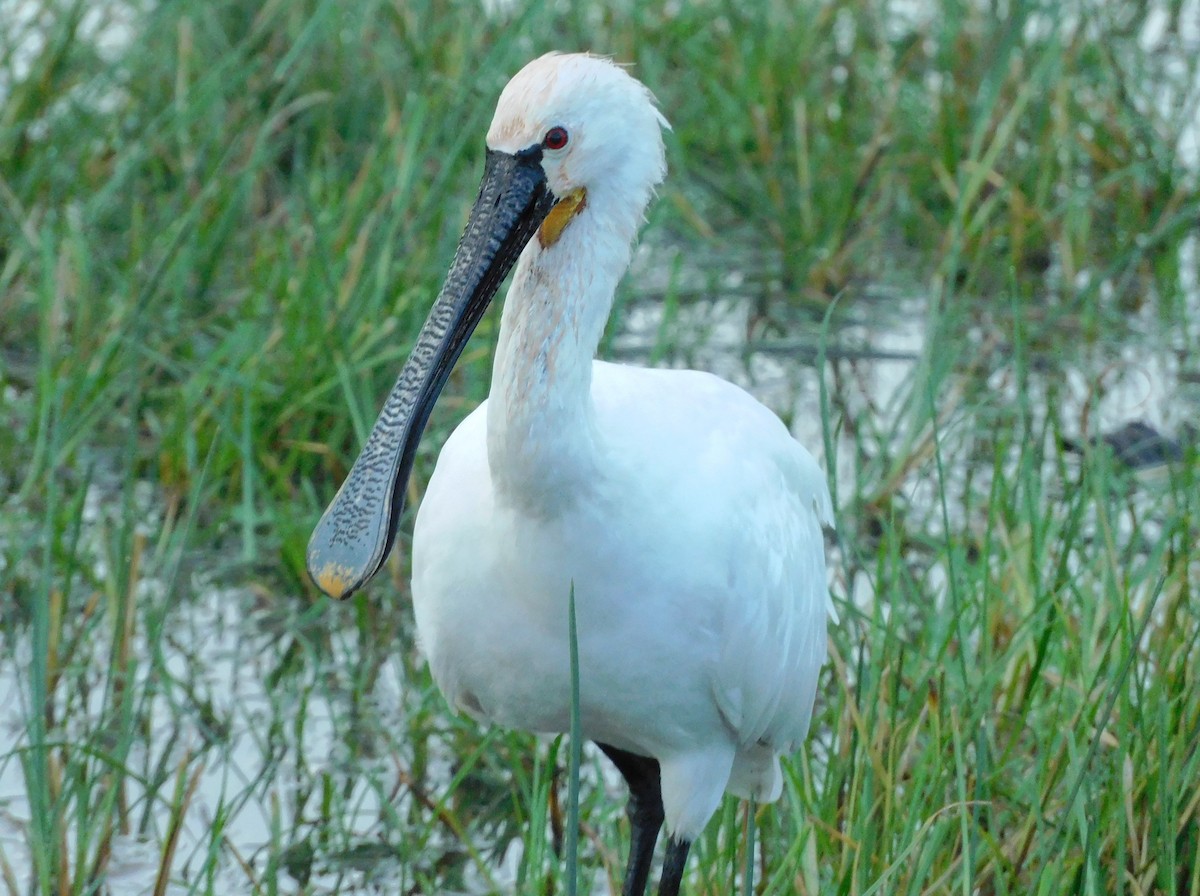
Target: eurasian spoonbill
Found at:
x=679, y=509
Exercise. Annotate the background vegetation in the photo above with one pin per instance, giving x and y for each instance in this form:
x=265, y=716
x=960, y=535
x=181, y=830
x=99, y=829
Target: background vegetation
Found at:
x=220, y=225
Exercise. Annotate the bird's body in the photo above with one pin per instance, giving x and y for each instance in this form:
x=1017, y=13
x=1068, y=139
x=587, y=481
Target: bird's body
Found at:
x=678, y=510
x=688, y=539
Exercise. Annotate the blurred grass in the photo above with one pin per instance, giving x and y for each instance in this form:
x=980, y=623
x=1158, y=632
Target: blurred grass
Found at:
x=216, y=242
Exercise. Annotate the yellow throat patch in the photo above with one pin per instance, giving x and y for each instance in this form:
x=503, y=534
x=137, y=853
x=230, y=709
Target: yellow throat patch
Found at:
x=560, y=216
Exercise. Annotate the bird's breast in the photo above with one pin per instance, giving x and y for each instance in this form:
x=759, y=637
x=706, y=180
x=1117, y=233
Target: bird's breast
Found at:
x=491, y=591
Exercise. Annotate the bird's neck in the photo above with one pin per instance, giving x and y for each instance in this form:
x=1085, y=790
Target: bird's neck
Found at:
x=543, y=446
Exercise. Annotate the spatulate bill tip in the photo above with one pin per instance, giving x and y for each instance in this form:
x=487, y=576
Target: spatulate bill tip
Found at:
x=338, y=562
x=335, y=579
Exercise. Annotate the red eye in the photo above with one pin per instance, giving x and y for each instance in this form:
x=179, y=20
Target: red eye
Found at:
x=556, y=138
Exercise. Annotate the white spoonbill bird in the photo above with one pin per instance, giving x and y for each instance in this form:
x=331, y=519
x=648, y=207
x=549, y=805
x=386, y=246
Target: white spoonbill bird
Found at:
x=678, y=508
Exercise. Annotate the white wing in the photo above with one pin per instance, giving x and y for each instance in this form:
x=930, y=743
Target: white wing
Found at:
x=775, y=636
x=738, y=470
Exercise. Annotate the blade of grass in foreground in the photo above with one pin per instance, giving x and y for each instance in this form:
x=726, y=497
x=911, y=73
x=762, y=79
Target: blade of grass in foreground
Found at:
x=748, y=878
x=576, y=755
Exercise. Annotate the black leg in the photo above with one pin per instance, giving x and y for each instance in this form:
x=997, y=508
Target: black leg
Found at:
x=677, y=853
x=645, y=812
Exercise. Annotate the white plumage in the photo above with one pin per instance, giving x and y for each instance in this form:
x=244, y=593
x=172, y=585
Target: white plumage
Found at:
x=677, y=508
x=681, y=511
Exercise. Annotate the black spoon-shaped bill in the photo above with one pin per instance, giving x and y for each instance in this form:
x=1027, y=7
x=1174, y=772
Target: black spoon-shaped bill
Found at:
x=356, y=532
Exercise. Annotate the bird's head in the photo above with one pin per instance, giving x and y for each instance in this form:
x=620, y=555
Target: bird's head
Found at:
x=595, y=128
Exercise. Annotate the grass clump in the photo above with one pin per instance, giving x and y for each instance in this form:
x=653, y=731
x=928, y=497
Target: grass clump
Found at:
x=220, y=226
